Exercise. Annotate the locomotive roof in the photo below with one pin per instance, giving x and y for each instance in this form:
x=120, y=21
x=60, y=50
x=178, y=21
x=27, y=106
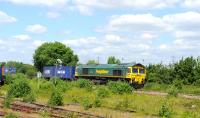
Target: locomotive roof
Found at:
x=123, y=65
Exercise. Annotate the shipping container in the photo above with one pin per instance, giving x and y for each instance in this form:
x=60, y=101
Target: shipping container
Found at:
x=64, y=72
x=10, y=70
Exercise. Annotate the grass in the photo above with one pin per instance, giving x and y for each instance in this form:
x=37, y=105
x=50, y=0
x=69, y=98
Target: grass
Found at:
x=143, y=105
x=186, y=89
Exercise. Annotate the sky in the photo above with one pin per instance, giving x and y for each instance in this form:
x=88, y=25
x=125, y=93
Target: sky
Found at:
x=145, y=31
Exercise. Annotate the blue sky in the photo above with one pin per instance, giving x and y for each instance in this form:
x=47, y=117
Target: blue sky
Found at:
x=147, y=31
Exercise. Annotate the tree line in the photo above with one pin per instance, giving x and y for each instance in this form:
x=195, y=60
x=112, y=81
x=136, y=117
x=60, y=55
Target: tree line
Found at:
x=186, y=71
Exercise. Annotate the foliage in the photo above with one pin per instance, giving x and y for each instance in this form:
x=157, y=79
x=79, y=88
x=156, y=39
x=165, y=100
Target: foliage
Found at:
x=97, y=102
x=186, y=71
x=30, y=98
x=7, y=102
x=103, y=92
x=48, y=53
x=86, y=103
x=12, y=78
x=56, y=99
x=83, y=83
x=165, y=111
x=26, y=69
x=119, y=87
x=123, y=104
x=113, y=60
x=173, y=91
x=92, y=62
x=19, y=88
x=10, y=115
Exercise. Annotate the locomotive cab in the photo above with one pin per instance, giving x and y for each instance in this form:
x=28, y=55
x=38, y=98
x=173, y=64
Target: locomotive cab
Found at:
x=137, y=74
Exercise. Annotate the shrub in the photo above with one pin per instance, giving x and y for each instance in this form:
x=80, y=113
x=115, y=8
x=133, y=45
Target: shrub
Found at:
x=10, y=115
x=173, y=91
x=56, y=99
x=197, y=82
x=103, y=92
x=178, y=84
x=83, y=83
x=20, y=88
x=119, y=87
x=86, y=103
x=30, y=98
x=97, y=102
x=165, y=111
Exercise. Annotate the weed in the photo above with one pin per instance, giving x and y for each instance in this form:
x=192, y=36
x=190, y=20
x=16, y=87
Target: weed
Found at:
x=97, y=102
x=103, y=92
x=30, y=98
x=165, y=111
x=56, y=99
x=86, y=103
x=83, y=83
x=10, y=115
x=119, y=87
x=19, y=89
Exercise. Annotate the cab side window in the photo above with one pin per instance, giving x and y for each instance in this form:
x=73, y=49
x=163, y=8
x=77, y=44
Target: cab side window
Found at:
x=129, y=70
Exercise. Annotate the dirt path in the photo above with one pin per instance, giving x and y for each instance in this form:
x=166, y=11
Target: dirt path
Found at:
x=188, y=96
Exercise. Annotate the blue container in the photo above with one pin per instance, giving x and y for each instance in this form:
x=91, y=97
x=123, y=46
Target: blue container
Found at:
x=10, y=70
x=48, y=71
x=64, y=72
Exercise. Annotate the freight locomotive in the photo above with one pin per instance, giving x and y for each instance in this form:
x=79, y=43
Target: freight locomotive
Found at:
x=135, y=74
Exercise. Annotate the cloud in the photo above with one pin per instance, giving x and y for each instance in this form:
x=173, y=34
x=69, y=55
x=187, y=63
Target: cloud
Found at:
x=108, y=45
x=53, y=15
x=191, y=3
x=37, y=43
x=48, y=3
x=135, y=23
x=36, y=28
x=87, y=6
x=22, y=37
x=5, y=18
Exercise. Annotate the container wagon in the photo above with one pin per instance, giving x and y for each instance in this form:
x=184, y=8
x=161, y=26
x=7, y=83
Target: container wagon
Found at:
x=63, y=72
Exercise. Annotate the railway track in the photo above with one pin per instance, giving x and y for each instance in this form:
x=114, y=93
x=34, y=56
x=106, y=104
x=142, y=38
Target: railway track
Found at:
x=54, y=112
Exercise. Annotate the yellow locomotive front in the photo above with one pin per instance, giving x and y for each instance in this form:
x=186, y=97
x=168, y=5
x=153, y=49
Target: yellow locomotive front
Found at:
x=136, y=74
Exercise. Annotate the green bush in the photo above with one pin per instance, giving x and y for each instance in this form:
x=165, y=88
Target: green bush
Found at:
x=173, y=91
x=83, y=83
x=19, y=88
x=197, y=83
x=165, y=111
x=10, y=115
x=119, y=87
x=12, y=78
x=86, y=103
x=178, y=84
x=30, y=98
x=56, y=99
x=103, y=92
x=97, y=102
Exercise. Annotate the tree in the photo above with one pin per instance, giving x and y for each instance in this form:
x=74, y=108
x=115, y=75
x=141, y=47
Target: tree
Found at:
x=92, y=62
x=113, y=60
x=48, y=53
x=26, y=69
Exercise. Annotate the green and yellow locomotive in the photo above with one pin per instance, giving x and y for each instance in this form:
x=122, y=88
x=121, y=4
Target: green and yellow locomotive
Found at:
x=135, y=74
